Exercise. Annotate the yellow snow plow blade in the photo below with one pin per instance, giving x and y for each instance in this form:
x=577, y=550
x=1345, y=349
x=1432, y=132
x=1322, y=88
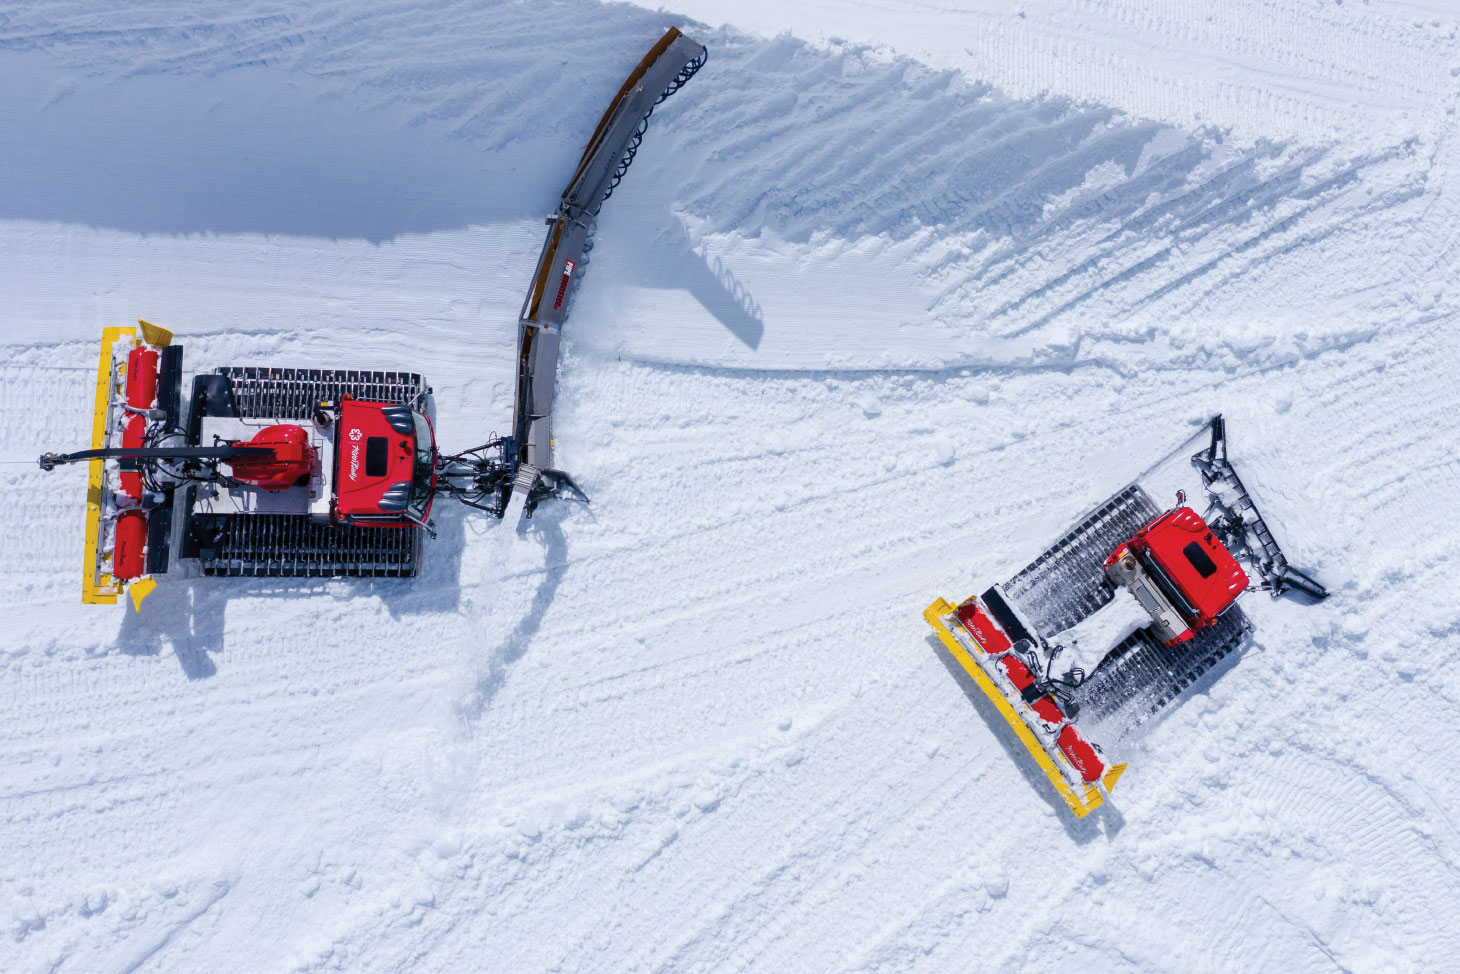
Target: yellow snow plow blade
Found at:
x=1081, y=800
x=98, y=586
x=154, y=335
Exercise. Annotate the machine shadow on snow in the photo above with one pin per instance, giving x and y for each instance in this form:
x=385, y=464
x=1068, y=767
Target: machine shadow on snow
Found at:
x=278, y=151
x=492, y=671
x=1058, y=201
x=249, y=151
x=673, y=264
x=189, y=618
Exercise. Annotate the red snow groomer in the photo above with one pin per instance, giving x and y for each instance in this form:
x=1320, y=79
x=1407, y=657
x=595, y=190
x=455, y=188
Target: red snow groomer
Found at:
x=262, y=472
x=1183, y=568
x=320, y=473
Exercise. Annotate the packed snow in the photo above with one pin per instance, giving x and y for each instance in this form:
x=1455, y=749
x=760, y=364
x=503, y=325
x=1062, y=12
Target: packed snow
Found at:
x=893, y=292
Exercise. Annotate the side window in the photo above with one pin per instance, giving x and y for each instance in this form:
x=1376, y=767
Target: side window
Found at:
x=1200, y=560
x=377, y=453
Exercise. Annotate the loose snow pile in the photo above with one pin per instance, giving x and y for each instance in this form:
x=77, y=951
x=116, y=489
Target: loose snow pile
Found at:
x=889, y=297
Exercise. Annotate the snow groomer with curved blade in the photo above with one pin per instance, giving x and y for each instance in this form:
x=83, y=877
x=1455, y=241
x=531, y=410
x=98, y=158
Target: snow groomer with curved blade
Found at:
x=287, y=472
x=1184, y=570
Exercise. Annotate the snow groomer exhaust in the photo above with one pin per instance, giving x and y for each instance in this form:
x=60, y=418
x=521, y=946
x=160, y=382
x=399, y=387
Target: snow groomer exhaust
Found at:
x=287, y=472
x=1184, y=570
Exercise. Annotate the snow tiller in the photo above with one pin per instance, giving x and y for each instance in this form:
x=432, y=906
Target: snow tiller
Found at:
x=288, y=472
x=1183, y=570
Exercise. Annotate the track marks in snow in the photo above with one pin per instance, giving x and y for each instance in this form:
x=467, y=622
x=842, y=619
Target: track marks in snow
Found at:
x=218, y=890
x=1007, y=229
x=1258, y=67
x=697, y=658
x=141, y=920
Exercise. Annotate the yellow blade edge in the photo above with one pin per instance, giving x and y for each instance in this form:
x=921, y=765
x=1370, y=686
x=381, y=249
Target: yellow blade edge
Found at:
x=1081, y=804
x=142, y=587
x=153, y=335
x=96, y=586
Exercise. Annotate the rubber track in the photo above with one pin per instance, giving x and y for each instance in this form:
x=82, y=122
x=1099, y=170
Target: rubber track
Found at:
x=1139, y=677
x=1067, y=583
x=294, y=546
x=293, y=393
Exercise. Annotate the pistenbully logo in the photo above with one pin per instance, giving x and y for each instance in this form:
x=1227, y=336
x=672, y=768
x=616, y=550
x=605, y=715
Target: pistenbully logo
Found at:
x=355, y=435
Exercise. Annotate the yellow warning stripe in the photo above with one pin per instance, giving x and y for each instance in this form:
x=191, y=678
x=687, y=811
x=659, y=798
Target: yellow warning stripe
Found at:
x=544, y=267
x=1081, y=804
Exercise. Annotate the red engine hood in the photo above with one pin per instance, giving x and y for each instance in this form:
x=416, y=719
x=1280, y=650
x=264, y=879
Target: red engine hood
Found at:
x=373, y=462
x=1195, y=560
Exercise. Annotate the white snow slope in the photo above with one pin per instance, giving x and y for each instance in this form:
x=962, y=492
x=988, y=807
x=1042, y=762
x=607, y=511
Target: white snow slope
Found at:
x=893, y=292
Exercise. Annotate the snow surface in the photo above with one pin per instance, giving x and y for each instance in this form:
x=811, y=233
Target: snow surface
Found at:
x=893, y=292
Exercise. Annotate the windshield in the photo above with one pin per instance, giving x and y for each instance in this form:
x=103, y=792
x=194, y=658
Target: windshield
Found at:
x=423, y=473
